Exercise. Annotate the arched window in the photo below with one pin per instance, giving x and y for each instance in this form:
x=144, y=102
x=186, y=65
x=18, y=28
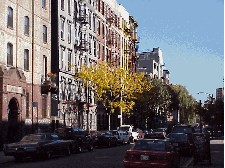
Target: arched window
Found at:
x=26, y=25
x=10, y=17
x=9, y=54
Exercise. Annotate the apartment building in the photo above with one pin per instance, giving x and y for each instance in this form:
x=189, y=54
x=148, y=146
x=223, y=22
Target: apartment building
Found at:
x=85, y=32
x=25, y=58
x=151, y=63
x=220, y=94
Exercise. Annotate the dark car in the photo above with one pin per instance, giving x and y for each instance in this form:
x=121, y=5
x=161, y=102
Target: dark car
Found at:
x=152, y=153
x=81, y=139
x=159, y=133
x=183, y=129
x=105, y=138
x=183, y=142
x=37, y=145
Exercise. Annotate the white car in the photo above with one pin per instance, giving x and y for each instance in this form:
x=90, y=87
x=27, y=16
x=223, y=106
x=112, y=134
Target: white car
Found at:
x=122, y=136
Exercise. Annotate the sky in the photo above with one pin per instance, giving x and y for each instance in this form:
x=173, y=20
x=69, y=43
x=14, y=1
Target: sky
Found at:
x=190, y=34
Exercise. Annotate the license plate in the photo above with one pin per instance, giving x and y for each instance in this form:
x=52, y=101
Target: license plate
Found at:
x=175, y=144
x=144, y=157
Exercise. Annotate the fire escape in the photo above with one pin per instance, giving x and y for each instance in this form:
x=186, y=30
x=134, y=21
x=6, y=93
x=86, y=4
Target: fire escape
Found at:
x=81, y=17
x=112, y=57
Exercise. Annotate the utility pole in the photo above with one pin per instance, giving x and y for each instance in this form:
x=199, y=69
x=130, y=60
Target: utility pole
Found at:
x=200, y=111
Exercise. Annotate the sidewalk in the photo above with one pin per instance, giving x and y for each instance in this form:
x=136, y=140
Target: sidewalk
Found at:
x=217, y=155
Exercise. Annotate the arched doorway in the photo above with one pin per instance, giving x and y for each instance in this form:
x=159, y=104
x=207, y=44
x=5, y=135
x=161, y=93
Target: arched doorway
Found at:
x=13, y=121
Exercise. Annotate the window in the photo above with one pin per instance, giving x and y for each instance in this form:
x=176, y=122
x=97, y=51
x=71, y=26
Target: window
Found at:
x=95, y=48
x=99, y=51
x=103, y=53
x=10, y=17
x=44, y=3
x=94, y=23
x=62, y=27
x=98, y=28
x=62, y=57
x=26, y=59
x=69, y=7
x=103, y=31
x=103, y=8
x=27, y=105
x=44, y=67
x=69, y=33
x=44, y=34
x=62, y=4
x=44, y=104
x=9, y=54
x=69, y=61
x=26, y=25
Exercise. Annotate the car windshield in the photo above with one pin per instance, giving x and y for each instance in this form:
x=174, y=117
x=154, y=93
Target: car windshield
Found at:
x=124, y=128
x=33, y=138
x=152, y=145
x=178, y=137
x=182, y=130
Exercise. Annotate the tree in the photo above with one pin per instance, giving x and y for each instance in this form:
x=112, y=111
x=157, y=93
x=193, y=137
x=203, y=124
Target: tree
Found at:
x=115, y=87
x=155, y=95
x=186, y=102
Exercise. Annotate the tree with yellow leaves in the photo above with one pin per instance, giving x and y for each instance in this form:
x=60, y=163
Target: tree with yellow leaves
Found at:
x=115, y=87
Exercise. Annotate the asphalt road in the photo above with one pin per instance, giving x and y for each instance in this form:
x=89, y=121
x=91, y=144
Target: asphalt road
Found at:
x=98, y=158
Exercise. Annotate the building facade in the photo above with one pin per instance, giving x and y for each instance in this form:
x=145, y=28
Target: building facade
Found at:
x=86, y=32
x=220, y=94
x=25, y=59
x=151, y=63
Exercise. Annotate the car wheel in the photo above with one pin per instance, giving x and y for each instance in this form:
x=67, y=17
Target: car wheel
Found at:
x=123, y=142
x=79, y=149
x=91, y=147
x=68, y=152
x=109, y=144
x=48, y=155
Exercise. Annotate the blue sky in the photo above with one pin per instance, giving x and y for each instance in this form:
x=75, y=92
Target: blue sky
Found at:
x=190, y=34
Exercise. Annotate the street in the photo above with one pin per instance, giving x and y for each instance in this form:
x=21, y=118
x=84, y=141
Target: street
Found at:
x=98, y=158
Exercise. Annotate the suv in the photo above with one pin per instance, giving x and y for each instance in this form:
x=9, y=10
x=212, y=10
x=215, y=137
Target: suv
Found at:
x=82, y=140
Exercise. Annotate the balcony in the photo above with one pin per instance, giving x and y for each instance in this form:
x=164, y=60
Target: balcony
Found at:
x=48, y=84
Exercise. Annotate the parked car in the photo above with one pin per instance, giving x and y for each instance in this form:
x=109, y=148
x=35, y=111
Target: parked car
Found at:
x=183, y=142
x=38, y=145
x=141, y=134
x=81, y=139
x=121, y=136
x=152, y=153
x=183, y=129
x=159, y=133
x=131, y=131
x=105, y=138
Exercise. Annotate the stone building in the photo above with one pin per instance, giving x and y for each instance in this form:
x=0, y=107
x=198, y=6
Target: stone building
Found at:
x=25, y=59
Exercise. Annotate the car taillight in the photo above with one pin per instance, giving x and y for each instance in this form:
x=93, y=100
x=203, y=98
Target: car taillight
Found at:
x=104, y=138
x=186, y=144
x=128, y=156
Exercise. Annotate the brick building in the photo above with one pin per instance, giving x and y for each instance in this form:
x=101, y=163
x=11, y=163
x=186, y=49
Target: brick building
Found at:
x=25, y=46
